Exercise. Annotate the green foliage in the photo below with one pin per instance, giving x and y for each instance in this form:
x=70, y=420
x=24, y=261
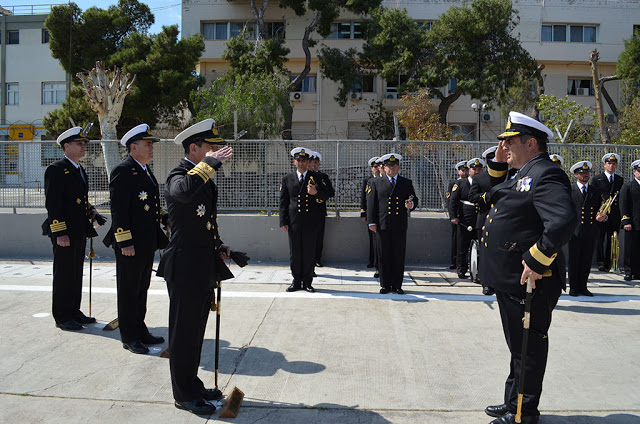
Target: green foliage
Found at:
x=472, y=43
x=57, y=121
x=560, y=111
x=380, y=125
x=629, y=60
x=259, y=100
x=420, y=119
x=629, y=129
x=248, y=57
x=163, y=64
x=522, y=96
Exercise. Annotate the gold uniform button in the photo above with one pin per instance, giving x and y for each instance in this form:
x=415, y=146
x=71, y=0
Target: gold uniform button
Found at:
x=485, y=245
x=487, y=234
x=491, y=220
x=482, y=239
x=483, y=227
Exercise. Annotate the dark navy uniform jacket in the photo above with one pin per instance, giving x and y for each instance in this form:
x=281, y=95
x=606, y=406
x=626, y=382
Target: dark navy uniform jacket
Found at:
x=67, y=202
x=478, y=192
x=467, y=214
x=135, y=209
x=193, y=251
x=532, y=216
x=299, y=209
x=385, y=203
x=587, y=209
x=630, y=204
x=330, y=192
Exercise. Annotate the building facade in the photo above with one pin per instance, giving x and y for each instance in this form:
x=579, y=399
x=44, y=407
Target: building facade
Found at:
x=558, y=33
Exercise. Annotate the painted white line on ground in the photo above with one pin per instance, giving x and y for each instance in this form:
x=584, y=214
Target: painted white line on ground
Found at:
x=340, y=295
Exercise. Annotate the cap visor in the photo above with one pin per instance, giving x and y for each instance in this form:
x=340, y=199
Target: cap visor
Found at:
x=217, y=140
x=508, y=134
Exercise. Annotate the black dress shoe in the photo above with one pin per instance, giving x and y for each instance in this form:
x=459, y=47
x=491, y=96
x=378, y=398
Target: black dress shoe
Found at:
x=319, y=264
x=83, y=319
x=151, y=339
x=211, y=394
x=384, y=290
x=510, y=418
x=399, y=291
x=294, y=287
x=136, y=346
x=602, y=268
x=496, y=410
x=586, y=292
x=452, y=266
x=462, y=275
x=310, y=289
x=376, y=275
x=487, y=291
x=573, y=293
x=197, y=406
x=70, y=325
x=627, y=277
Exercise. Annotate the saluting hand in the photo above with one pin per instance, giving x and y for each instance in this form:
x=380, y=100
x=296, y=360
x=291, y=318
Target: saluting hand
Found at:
x=222, y=154
x=501, y=155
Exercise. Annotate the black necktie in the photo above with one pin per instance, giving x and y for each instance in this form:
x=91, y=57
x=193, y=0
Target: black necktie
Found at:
x=611, y=179
x=584, y=190
x=301, y=178
x=393, y=182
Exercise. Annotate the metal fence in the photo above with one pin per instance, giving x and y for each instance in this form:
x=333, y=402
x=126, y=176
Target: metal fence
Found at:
x=250, y=181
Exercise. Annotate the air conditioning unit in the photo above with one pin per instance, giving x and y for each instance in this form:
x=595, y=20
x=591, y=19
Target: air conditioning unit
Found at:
x=295, y=96
x=583, y=92
x=487, y=117
x=392, y=95
x=611, y=119
x=356, y=96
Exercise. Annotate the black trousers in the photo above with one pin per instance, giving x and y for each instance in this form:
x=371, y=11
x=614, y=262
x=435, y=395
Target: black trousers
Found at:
x=454, y=244
x=133, y=277
x=302, y=252
x=545, y=297
x=68, y=263
x=631, y=259
x=372, y=248
x=463, y=242
x=580, y=258
x=320, y=239
x=392, y=246
x=607, y=229
x=189, y=307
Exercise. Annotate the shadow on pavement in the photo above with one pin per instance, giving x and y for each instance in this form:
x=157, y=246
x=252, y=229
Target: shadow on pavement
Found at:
x=589, y=419
x=597, y=310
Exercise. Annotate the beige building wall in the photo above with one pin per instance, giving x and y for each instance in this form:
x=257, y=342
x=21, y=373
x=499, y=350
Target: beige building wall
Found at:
x=613, y=21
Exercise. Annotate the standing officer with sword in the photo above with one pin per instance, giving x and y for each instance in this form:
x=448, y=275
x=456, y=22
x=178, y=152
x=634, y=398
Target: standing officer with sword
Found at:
x=532, y=216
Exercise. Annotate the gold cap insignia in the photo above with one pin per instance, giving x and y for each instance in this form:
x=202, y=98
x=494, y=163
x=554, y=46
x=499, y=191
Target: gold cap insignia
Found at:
x=508, y=123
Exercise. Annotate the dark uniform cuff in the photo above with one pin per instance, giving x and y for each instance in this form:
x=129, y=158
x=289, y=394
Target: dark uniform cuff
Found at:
x=206, y=168
x=123, y=237
x=497, y=169
x=58, y=228
x=537, y=260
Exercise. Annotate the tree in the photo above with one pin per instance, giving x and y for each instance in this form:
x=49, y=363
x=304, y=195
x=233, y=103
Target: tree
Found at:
x=258, y=100
x=380, y=125
x=629, y=62
x=163, y=65
x=629, y=127
x=472, y=45
x=559, y=112
x=322, y=15
x=419, y=119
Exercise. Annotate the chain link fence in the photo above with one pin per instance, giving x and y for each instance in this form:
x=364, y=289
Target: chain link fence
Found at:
x=250, y=181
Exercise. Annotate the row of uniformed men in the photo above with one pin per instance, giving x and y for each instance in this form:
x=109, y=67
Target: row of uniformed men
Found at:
x=467, y=209
x=193, y=259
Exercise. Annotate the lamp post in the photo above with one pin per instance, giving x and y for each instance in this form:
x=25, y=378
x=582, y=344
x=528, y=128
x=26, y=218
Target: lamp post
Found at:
x=479, y=108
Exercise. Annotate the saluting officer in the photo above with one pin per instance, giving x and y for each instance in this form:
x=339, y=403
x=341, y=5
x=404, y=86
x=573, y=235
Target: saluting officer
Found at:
x=557, y=159
x=314, y=165
x=388, y=200
x=480, y=187
x=374, y=166
x=463, y=172
x=587, y=199
x=463, y=213
x=300, y=216
x=135, y=235
x=69, y=217
x=193, y=263
x=630, y=208
x=532, y=216
x=609, y=183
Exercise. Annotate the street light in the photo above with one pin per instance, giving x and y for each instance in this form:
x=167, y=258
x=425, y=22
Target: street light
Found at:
x=479, y=108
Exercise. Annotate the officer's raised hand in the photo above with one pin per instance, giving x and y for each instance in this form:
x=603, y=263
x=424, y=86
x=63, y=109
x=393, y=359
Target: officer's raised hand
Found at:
x=222, y=154
x=501, y=154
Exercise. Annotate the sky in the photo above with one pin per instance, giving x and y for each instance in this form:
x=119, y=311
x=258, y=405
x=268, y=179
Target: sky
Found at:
x=166, y=12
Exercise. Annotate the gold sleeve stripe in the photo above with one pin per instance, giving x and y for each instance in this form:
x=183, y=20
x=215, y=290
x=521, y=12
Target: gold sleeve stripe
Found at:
x=497, y=174
x=204, y=170
x=57, y=226
x=362, y=210
x=626, y=217
x=122, y=235
x=198, y=172
x=541, y=257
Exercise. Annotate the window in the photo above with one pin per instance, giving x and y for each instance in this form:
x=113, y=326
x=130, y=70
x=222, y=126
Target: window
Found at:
x=13, y=37
x=308, y=84
x=365, y=84
x=346, y=30
x=49, y=153
x=426, y=25
x=636, y=29
x=227, y=30
x=11, y=155
x=392, y=85
x=45, y=36
x=13, y=94
x=576, y=33
x=453, y=85
x=53, y=93
x=580, y=87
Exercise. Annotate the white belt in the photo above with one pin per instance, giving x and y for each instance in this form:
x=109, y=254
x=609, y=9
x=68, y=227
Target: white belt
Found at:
x=466, y=202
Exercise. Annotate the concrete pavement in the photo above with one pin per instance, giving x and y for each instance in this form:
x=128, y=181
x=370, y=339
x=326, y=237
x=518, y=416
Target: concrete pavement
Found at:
x=345, y=354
